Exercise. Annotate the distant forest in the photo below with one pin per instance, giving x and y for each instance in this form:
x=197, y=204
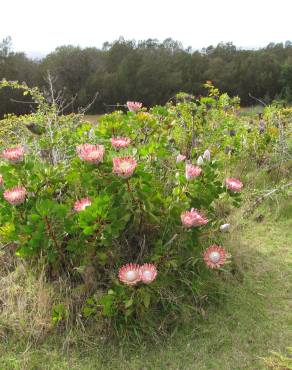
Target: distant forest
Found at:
x=148, y=71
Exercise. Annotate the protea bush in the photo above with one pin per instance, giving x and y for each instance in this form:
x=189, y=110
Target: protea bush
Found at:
x=119, y=200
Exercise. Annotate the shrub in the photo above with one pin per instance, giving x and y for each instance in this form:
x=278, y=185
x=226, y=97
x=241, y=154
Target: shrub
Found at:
x=112, y=207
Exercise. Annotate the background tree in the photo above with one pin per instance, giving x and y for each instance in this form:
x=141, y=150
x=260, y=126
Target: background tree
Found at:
x=149, y=71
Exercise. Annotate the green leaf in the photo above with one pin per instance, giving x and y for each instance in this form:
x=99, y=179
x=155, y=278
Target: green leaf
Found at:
x=146, y=299
x=107, y=302
x=89, y=230
x=129, y=303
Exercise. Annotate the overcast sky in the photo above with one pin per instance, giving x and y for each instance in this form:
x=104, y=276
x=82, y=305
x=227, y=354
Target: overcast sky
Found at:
x=39, y=26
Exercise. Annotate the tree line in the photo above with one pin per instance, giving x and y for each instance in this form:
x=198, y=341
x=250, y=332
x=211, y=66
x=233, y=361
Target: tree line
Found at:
x=148, y=71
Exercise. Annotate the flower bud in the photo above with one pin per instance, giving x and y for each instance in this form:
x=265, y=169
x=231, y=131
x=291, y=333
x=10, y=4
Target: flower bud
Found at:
x=224, y=228
x=200, y=161
x=207, y=155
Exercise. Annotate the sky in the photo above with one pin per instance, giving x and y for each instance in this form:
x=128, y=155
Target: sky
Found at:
x=37, y=27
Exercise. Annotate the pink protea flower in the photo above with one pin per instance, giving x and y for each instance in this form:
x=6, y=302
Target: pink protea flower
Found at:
x=193, y=218
x=14, y=155
x=134, y=106
x=148, y=273
x=124, y=167
x=1, y=180
x=81, y=204
x=120, y=142
x=215, y=256
x=15, y=196
x=90, y=153
x=130, y=274
x=180, y=158
x=233, y=184
x=192, y=171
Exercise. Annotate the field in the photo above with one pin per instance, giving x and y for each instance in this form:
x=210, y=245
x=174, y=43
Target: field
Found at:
x=92, y=118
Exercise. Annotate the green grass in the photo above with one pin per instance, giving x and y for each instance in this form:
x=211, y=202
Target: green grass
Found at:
x=252, y=318
x=252, y=110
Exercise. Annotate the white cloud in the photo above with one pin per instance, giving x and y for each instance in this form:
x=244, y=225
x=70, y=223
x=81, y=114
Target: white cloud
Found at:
x=41, y=25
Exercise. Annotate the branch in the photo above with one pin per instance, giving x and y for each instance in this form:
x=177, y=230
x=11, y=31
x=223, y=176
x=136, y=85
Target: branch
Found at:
x=52, y=235
x=50, y=82
x=258, y=100
x=85, y=109
x=64, y=107
x=260, y=199
x=22, y=101
x=114, y=105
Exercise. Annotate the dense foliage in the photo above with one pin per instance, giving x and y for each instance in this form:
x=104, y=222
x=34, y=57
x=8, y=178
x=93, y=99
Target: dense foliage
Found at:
x=127, y=208
x=149, y=71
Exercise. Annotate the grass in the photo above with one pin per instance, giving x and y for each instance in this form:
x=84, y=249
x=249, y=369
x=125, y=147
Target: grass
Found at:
x=251, y=319
x=252, y=110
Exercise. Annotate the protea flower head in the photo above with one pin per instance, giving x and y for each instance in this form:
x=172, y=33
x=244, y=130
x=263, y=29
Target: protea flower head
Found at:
x=224, y=228
x=120, y=142
x=14, y=155
x=130, y=274
x=148, y=273
x=207, y=155
x=200, y=161
x=215, y=256
x=180, y=158
x=124, y=167
x=15, y=196
x=192, y=171
x=233, y=184
x=1, y=180
x=193, y=218
x=81, y=204
x=90, y=153
x=134, y=106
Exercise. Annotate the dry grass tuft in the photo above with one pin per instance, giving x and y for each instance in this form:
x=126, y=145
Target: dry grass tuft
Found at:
x=278, y=361
x=28, y=301
x=25, y=302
